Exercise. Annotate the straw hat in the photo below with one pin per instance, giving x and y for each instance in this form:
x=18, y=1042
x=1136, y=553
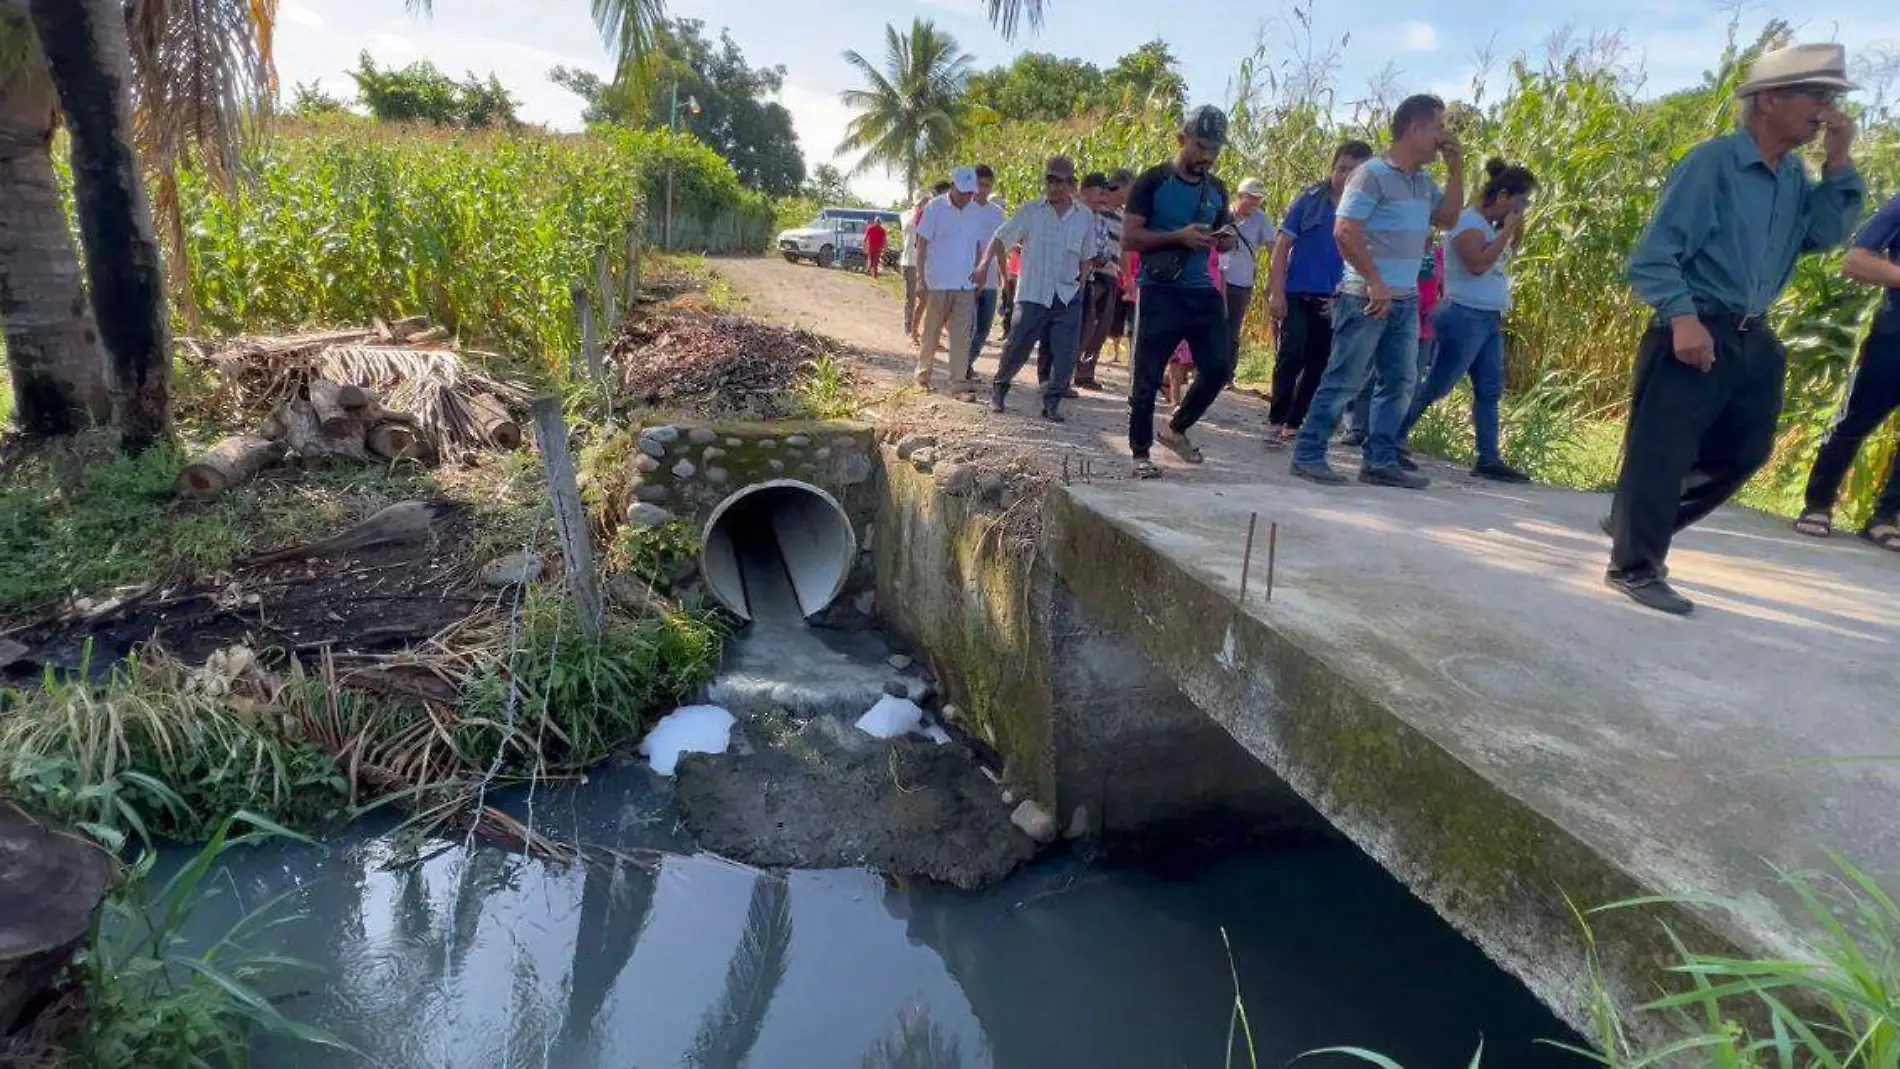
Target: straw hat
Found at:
x=1822, y=65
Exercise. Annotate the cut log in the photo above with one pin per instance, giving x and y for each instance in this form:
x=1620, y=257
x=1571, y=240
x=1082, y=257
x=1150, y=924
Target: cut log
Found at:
x=428, y=337
x=381, y=330
x=49, y=886
x=310, y=446
x=356, y=400
x=273, y=426
x=396, y=440
x=233, y=461
x=401, y=329
x=331, y=414
x=491, y=420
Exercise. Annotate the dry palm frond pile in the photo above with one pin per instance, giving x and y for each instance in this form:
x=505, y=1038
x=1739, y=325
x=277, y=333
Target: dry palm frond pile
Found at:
x=389, y=393
x=716, y=365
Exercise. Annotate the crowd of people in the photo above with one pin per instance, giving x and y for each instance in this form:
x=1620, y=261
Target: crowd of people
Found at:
x=1385, y=290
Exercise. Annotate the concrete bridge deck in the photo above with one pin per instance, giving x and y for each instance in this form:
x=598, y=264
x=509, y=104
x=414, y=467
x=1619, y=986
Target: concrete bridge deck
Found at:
x=1444, y=676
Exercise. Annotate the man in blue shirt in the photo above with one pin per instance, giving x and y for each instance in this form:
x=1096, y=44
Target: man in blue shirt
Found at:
x=1734, y=216
x=1384, y=221
x=1176, y=213
x=1872, y=394
x=1305, y=272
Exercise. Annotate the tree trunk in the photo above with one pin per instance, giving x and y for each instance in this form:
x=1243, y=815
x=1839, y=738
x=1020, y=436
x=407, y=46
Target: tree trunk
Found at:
x=53, y=353
x=86, y=48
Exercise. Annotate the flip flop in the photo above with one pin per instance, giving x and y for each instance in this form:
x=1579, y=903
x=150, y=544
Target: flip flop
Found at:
x=1178, y=444
x=1815, y=524
x=1884, y=535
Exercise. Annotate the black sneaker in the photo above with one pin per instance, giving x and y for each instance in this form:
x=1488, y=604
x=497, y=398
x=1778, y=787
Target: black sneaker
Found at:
x=1393, y=476
x=1651, y=592
x=1053, y=416
x=1406, y=462
x=996, y=399
x=1499, y=472
x=1322, y=474
x=1087, y=384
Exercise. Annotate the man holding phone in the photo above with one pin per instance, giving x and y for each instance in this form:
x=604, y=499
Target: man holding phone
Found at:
x=1735, y=215
x=1176, y=213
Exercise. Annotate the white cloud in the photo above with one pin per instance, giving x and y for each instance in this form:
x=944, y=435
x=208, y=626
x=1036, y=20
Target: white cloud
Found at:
x=961, y=7
x=1419, y=36
x=820, y=119
x=293, y=12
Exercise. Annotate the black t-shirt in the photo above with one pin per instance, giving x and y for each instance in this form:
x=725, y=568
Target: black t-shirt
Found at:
x=1166, y=202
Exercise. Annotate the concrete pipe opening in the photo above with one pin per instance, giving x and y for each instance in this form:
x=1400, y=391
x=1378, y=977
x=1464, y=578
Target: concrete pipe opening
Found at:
x=778, y=550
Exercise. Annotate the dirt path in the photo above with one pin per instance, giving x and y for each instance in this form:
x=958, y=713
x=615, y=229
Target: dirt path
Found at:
x=858, y=312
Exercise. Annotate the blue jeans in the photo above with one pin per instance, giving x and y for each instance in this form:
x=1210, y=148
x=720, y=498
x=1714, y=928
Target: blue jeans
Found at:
x=1359, y=413
x=1470, y=341
x=1362, y=344
x=980, y=324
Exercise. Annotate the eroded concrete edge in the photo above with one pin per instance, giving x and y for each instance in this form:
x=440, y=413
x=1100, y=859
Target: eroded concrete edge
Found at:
x=1504, y=875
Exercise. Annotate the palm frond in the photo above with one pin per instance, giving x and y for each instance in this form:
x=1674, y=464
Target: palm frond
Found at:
x=202, y=76
x=913, y=1041
x=1007, y=16
x=630, y=28
x=731, y=1028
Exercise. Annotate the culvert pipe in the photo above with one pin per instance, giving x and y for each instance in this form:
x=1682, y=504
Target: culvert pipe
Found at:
x=805, y=526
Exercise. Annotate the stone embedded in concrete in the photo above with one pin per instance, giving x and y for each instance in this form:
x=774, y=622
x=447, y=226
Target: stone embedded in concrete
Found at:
x=716, y=476
x=651, y=492
x=850, y=468
x=646, y=514
x=899, y=661
x=797, y=441
x=766, y=443
x=953, y=713
x=512, y=569
x=911, y=443
x=957, y=479
x=712, y=453
x=775, y=465
x=684, y=470
x=823, y=452
x=645, y=464
x=701, y=436
x=662, y=434
x=651, y=447
x=923, y=459
x=734, y=443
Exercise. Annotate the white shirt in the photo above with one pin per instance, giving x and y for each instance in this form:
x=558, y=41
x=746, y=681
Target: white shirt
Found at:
x=956, y=237
x=1054, y=247
x=1238, y=265
x=907, y=256
x=995, y=216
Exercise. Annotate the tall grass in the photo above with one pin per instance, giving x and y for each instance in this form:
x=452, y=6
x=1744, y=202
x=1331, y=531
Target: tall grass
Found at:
x=485, y=232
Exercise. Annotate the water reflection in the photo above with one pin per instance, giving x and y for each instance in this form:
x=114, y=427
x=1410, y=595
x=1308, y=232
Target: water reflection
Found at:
x=479, y=958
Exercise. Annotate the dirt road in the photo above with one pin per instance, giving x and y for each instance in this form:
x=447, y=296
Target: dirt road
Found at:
x=858, y=312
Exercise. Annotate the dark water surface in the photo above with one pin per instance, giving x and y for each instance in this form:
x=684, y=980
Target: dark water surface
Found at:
x=482, y=958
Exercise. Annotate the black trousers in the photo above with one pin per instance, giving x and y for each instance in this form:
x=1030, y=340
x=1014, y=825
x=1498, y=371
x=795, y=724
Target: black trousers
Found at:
x=1238, y=297
x=1872, y=395
x=1167, y=316
x=1694, y=437
x=1098, y=313
x=1306, y=344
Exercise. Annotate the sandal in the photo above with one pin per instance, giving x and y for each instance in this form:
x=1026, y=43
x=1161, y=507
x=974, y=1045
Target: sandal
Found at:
x=1815, y=524
x=1146, y=469
x=1177, y=443
x=1885, y=535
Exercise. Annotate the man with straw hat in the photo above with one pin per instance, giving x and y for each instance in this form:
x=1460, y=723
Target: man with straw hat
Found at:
x=1734, y=216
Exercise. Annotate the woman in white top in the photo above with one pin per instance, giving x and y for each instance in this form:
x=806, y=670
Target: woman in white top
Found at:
x=1469, y=322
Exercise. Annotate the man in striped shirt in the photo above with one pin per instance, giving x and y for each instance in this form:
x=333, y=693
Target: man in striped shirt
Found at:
x=1059, y=243
x=1104, y=287
x=1384, y=220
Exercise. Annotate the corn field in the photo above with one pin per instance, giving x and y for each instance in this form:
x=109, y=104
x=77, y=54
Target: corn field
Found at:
x=1601, y=149
x=335, y=222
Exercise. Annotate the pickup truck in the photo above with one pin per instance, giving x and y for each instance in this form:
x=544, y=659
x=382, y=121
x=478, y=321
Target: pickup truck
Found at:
x=836, y=238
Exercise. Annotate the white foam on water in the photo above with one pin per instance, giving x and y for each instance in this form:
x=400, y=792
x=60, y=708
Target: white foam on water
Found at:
x=688, y=729
x=891, y=717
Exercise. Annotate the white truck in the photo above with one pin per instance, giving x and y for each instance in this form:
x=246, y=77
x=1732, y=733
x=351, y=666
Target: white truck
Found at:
x=836, y=238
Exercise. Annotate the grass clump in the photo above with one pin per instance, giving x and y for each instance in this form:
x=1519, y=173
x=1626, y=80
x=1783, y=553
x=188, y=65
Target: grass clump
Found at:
x=826, y=389
x=656, y=555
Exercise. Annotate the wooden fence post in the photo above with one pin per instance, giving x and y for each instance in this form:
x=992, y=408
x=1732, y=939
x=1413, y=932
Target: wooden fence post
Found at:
x=590, y=336
x=609, y=309
x=633, y=267
x=570, y=522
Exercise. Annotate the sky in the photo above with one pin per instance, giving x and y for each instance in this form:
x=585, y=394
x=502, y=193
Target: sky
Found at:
x=1432, y=47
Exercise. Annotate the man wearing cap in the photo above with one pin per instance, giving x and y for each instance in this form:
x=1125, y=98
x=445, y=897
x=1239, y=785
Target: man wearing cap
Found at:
x=1104, y=286
x=1058, y=238
x=907, y=259
x=1176, y=212
x=1734, y=216
x=950, y=244
x=1252, y=230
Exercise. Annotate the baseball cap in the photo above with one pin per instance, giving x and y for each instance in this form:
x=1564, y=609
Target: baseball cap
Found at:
x=1253, y=187
x=1095, y=180
x=1206, y=124
x=963, y=179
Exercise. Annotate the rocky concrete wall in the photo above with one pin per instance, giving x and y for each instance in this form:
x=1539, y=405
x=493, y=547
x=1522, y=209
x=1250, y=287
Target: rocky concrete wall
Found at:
x=1079, y=715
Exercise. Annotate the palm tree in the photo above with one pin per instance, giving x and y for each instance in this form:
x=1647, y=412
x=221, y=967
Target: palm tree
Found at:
x=52, y=350
x=89, y=55
x=913, y=107
x=731, y=1027
x=1007, y=15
